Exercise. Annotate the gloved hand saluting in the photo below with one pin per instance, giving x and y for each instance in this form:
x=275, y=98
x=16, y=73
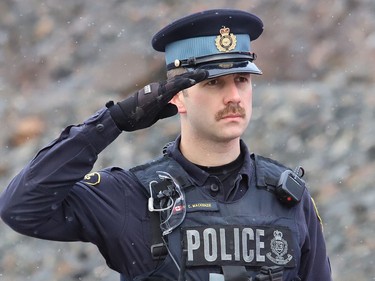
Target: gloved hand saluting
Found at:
x=143, y=108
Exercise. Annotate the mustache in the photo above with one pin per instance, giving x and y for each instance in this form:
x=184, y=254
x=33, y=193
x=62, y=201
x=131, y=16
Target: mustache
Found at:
x=229, y=110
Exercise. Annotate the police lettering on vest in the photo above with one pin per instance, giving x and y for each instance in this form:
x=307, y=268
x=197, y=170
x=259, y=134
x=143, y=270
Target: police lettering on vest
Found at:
x=238, y=245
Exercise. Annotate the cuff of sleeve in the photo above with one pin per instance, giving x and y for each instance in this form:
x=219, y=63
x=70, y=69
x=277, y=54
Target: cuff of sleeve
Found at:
x=101, y=130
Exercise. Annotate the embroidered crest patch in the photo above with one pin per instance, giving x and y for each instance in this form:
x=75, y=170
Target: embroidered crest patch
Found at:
x=279, y=248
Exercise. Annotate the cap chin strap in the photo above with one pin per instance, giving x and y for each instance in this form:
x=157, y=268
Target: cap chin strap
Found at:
x=194, y=61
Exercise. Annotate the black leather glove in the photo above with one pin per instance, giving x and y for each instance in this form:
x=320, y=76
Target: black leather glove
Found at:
x=143, y=108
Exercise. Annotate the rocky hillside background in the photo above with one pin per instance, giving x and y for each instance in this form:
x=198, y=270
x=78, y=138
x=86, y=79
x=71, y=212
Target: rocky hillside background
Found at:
x=314, y=106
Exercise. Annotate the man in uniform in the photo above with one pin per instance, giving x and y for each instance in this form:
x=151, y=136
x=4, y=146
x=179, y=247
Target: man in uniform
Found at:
x=207, y=209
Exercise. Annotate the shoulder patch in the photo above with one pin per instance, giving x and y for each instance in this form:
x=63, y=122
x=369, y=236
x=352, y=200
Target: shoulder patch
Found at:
x=317, y=212
x=92, y=179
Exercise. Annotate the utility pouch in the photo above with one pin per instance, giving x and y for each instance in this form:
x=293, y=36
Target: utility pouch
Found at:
x=270, y=273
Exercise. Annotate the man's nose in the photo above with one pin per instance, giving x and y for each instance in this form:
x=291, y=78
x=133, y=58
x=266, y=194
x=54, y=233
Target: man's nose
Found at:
x=232, y=93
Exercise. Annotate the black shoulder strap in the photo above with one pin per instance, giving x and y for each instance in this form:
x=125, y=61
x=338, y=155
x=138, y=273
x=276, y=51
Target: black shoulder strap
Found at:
x=148, y=172
x=267, y=171
x=287, y=186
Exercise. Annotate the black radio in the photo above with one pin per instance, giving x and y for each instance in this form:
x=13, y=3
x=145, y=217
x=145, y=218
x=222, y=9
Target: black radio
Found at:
x=290, y=187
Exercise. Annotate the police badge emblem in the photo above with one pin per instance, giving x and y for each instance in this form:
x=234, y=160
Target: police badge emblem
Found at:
x=279, y=247
x=226, y=41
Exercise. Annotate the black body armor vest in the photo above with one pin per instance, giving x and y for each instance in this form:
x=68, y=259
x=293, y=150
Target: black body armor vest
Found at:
x=237, y=239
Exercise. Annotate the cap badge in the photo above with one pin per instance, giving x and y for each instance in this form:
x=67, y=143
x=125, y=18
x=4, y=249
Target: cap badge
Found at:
x=226, y=41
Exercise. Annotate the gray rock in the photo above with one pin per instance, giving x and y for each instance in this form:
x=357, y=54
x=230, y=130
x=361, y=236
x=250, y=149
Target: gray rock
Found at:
x=314, y=106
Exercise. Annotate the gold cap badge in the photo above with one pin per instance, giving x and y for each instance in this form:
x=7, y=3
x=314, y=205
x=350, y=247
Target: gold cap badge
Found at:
x=226, y=41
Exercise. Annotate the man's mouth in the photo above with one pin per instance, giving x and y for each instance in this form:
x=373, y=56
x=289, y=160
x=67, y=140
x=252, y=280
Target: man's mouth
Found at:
x=232, y=116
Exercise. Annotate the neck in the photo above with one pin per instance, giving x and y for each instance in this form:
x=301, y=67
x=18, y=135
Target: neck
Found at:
x=209, y=153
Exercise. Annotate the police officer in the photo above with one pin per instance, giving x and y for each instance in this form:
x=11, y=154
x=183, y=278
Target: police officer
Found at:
x=207, y=209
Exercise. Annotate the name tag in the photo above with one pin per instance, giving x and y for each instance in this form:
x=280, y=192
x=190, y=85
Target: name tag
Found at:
x=209, y=206
x=239, y=245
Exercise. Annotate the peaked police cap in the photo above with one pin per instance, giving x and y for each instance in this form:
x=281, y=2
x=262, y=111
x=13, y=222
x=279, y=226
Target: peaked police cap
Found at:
x=217, y=40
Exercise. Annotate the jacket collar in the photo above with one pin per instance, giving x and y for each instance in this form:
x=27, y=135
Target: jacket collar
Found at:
x=198, y=175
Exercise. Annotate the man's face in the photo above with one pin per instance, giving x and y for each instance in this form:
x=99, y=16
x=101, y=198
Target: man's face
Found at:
x=218, y=109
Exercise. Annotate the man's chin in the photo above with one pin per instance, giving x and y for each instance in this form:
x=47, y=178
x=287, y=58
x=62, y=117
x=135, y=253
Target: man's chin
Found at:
x=228, y=136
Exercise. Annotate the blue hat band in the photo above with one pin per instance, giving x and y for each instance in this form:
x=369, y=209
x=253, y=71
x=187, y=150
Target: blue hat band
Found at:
x=202, y=46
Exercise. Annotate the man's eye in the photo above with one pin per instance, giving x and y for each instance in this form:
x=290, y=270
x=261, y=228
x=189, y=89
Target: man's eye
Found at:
x=212, y=82
x=242, y=79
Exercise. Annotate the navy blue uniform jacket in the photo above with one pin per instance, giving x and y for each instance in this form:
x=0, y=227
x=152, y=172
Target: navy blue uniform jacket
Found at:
x=51, y=199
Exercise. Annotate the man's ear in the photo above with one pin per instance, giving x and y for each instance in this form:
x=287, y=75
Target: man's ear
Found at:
x=178, y=100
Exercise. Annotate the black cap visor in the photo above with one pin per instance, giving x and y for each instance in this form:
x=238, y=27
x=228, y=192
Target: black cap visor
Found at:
x=224, y=68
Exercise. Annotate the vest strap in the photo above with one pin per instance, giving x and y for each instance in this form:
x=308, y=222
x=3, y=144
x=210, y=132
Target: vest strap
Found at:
x=158, y=249
x=270, y=273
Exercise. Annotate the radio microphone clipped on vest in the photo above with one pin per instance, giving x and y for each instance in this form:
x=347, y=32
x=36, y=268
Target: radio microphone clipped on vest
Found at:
x=291, y=187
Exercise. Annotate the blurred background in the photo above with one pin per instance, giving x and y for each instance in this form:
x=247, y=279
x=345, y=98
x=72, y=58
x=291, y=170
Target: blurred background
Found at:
x=60, y=61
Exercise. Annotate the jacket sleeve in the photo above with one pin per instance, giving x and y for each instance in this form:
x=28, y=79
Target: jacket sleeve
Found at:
x=315, y=263
x=38, y=198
